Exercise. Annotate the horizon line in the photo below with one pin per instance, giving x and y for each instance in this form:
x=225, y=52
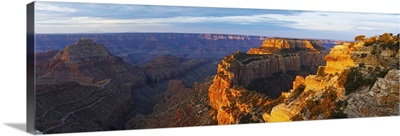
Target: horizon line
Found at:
x=190, y=33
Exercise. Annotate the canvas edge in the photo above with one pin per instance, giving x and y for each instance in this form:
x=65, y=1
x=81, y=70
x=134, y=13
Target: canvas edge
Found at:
x=30, y=67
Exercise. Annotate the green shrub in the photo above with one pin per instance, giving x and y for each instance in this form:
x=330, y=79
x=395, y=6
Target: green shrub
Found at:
x=248, y=118
x=363, y=55
x=338, y=115
x=359, y=38
x=368, y=43
x=394, y=46
x=338, y=112
x=373, y=52
x=386, y=38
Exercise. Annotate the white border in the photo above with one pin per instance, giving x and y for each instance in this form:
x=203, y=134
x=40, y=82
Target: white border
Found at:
x=12, y=81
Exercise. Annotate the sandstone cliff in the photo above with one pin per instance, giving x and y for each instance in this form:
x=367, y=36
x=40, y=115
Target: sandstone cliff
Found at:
x=312, y=97
x=239, y=70
x=347, y=86
x=272, y=45
x=350, y=85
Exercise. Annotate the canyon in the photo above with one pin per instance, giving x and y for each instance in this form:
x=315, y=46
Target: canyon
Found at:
x=236, y=72
x=84, y=88
x=85, y=79
x=140, y=48
x=181, y=106
x=92, y=82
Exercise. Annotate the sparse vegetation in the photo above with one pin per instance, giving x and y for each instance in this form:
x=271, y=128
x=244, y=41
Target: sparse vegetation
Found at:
x=339, y=113
x=292, y=50
x=369, y=41
x=323, y=107
x=363, y=55
x=241, y=56
x=373, y=52
x=356, y=79
x=386, y=38
x=385, y=41
x=370, y=69
x=297, y=91
x=223, y=76
x=297, y=118
x=245, y=58
x=314, y=105
x=272, y=104
x=320, y=71
x=359, y=38
x=252, y=100
x=248, y=118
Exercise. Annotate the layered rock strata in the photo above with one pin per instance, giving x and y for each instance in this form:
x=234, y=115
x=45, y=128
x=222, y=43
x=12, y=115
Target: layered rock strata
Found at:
x=84, y=88
x=180, y=107
x=358, y=77
x=240, y=69
x=382, y=98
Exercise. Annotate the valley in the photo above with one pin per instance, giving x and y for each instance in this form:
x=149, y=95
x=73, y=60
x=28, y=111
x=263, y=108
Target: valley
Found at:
x=91, y=82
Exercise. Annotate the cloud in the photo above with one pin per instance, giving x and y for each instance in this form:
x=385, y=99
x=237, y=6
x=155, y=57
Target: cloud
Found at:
x=332, y=21
x=305, y=20
x=169, y=20
x=53, y=8
x=61, y=18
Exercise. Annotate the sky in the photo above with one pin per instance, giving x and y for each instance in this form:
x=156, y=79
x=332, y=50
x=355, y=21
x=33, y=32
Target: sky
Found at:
x=58, y=17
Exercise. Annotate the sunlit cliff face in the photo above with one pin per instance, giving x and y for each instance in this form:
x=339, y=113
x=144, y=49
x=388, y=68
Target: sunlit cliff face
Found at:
x=339, y=58
x=316, y=96
x=272, y=45
x=329, y=77
x=227, y=96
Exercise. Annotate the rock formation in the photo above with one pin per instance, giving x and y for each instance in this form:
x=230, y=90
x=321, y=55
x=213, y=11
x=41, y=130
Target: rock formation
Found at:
x=180, y=107
x=86, y=63
x=241, y=69
x=85, y=84
x=84, y=88
x=140, y=48
x=271, y=45
x=382, y=98
x=168, y=66
x=351, y=84
x=317, y=97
